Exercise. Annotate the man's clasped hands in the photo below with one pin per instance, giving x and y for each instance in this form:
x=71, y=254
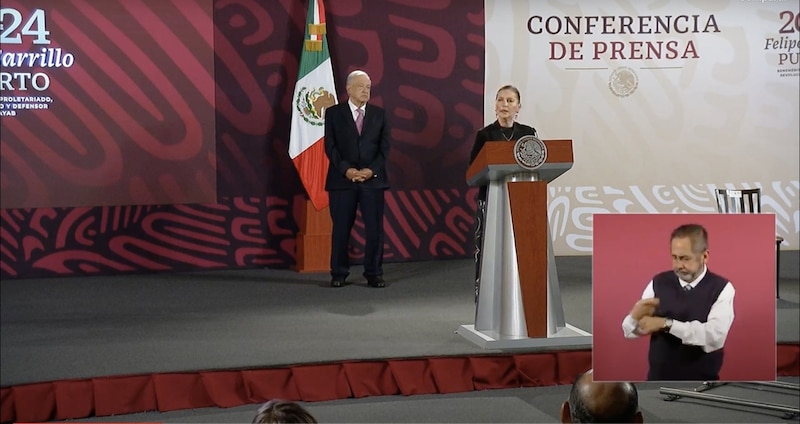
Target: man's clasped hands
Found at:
x=359, y=175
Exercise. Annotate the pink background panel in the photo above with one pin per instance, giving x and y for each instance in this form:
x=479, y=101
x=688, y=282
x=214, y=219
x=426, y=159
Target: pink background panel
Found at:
x=629, y=249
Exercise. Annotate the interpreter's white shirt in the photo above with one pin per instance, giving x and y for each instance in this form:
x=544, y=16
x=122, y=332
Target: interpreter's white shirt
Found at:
x=709, y=335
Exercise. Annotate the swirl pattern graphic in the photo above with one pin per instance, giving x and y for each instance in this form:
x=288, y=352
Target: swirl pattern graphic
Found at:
x=170, y=148
x=129, y=118
x=227, y=202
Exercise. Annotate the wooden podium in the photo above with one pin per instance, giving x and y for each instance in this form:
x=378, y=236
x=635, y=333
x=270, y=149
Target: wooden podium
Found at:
x=519, y=302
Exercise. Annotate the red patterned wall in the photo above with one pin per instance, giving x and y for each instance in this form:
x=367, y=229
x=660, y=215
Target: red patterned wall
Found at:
x=426, y=62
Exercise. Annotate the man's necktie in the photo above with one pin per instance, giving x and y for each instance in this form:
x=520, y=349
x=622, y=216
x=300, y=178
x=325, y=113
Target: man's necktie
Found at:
x=687, y=288
x=360, y=119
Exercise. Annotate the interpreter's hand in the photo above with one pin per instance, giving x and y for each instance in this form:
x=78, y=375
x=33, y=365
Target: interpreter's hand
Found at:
x=644, y=307
x=649, y=324
x=354, y=175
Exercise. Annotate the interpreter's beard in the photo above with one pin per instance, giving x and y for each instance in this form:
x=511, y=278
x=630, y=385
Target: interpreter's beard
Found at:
x=686, y=275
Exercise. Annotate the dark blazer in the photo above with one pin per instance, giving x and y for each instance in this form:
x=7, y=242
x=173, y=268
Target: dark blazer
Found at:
x=347, y=149
x=493, y=132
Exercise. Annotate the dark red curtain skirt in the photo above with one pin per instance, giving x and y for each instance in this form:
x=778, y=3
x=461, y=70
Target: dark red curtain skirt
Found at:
x=73, y=399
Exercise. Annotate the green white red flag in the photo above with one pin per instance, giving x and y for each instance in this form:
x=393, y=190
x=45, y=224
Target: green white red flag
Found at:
x=314, y=93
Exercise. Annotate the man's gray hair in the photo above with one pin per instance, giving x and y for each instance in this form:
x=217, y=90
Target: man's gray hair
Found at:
x=356, y=73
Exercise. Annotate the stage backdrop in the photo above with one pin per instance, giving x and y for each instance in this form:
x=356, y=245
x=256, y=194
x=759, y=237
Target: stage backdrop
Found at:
x=106, y=103
x=426, y=59
x=426, y=63
x=664, y=102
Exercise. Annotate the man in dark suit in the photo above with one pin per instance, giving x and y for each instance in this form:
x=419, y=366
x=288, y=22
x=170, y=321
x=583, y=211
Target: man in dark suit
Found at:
x=357, y=145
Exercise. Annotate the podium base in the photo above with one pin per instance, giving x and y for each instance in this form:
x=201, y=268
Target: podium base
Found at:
x=564, y=337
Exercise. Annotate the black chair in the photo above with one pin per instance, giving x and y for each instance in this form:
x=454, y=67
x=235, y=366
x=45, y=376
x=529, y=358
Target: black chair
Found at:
x=748, y=201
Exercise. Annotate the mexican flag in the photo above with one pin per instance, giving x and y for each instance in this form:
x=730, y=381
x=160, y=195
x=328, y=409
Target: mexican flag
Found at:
x=314, y=93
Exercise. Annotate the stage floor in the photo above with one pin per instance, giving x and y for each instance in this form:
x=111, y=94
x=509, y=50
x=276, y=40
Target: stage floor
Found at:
x=68, y=328
x=79, y=328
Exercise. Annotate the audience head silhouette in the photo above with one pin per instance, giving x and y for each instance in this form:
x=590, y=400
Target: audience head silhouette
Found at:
x=281, y=411
x=600, y=402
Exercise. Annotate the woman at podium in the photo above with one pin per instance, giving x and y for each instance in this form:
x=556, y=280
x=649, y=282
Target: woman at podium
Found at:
x=507, y=104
